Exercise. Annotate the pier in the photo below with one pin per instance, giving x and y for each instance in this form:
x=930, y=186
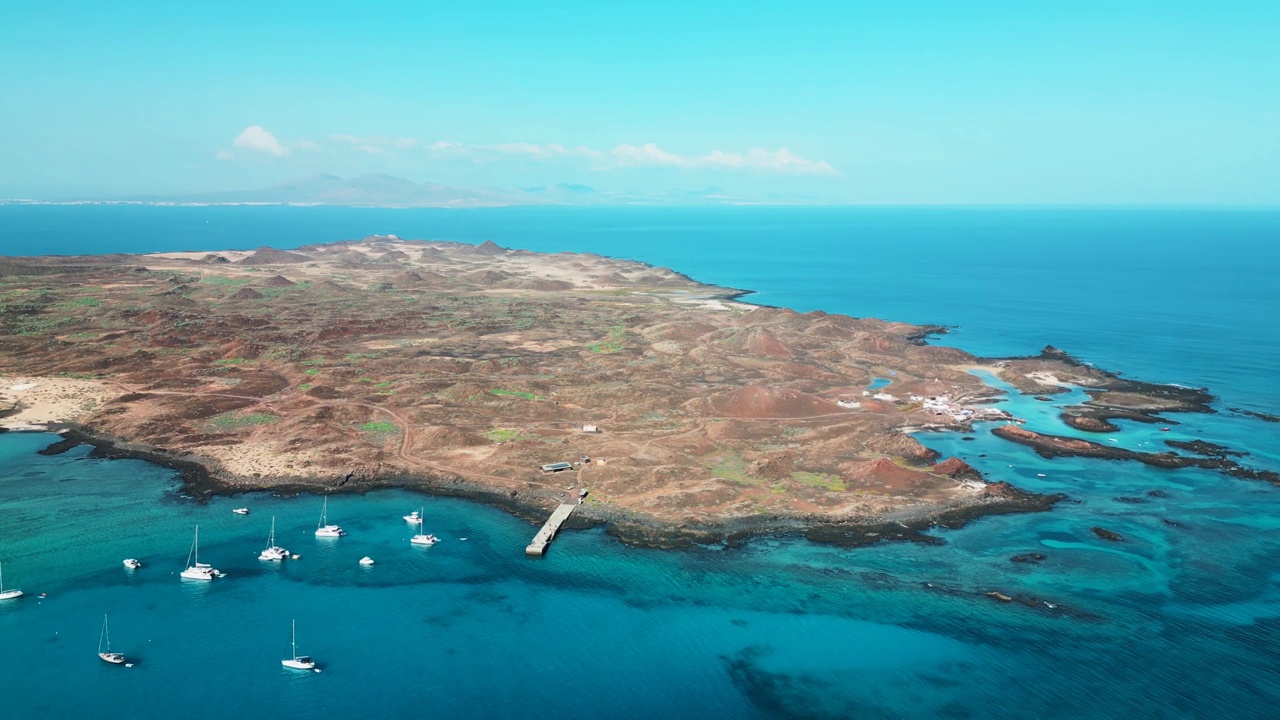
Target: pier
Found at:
x=548, y=531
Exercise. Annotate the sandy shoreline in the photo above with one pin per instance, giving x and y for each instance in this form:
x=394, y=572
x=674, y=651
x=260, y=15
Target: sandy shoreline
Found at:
x=37, y=403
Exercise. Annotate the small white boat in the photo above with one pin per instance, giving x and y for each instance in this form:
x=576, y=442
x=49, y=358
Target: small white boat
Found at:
x=132, y=564
x=197, y=570
x=273, y=553
x=298, y=662
x=104, y=637
x=413, y=518
x=422, y=538
x=366, y=561
x=7, y=594
x=241, y=511
x=324, y=529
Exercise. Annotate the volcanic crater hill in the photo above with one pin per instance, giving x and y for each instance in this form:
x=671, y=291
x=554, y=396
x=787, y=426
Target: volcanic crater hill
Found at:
x=443, y=365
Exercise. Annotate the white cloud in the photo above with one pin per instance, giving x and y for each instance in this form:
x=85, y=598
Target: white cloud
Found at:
x=649, y=155
x=306, y=146
x=441, y=147
x=257, y=139
x=224, y=155
x=529, y=149
x=781, y=161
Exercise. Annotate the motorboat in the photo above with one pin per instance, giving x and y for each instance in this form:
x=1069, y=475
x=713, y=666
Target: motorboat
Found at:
x=324, y=529
x=296, y=661
x=7, y=594
x=273, y=552
x=132, y=564
x=197, y=570
x=423, y=538
x=241, y=511
x=104, y=638
x=414, y=517
x=366, y=561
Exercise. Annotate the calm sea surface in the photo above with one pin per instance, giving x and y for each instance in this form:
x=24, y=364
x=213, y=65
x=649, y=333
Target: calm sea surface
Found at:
x=1182, y=619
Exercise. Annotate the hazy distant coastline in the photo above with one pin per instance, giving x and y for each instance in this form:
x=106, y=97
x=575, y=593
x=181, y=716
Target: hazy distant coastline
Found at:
x=388, y=191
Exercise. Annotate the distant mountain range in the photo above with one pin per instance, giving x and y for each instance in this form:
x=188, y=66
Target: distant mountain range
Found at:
x=366, y=190
x=390, y=191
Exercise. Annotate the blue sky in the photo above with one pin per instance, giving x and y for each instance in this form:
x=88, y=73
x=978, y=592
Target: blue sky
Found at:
x=869, y=102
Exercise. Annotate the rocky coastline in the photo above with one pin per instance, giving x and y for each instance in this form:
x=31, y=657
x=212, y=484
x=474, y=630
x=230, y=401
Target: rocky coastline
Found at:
x=203, y=481
x=1209, y=456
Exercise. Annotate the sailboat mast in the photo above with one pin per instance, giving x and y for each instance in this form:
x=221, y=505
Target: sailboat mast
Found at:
x=295, y=638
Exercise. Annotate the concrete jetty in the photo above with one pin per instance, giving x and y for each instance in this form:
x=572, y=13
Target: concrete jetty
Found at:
x=549, y=528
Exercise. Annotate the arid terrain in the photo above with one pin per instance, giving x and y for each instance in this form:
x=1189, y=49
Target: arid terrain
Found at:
x=463, y=369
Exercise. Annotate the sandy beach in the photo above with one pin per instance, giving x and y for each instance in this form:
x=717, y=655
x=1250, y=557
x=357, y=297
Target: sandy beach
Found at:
x=40, y=401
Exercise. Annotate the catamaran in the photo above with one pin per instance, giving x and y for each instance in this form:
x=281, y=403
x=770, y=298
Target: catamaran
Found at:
x=273, y=553
x=422, y=538
x=197, y=570
x=7, y=594
x=105, y=638
x=296, y=661
x=324, y=529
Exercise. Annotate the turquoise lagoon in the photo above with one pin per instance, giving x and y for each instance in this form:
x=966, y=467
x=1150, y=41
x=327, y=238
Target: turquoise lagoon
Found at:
x=1181, y=619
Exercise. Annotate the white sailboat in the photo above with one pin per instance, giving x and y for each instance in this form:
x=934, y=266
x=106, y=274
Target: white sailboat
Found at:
x=7, y=594
x=273, y=553
x=104, y=637
x=197, y=570
x=324, y=529
x=296, y=661
x=422, y=538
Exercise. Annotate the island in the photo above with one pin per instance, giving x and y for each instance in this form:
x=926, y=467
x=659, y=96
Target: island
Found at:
x=674, y=412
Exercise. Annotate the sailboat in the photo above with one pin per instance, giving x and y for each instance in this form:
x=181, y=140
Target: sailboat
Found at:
x=422, y=538
x=324, y=529
x=105, y=638
x=296, y=661
x=197, y=570
x=274, y=553
x=7, y=594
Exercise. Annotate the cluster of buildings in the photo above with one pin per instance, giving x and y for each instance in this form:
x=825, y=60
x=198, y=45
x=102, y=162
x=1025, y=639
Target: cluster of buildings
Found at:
x=940, y=405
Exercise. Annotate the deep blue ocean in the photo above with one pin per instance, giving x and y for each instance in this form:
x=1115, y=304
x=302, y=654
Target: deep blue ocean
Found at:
x=1181, y=619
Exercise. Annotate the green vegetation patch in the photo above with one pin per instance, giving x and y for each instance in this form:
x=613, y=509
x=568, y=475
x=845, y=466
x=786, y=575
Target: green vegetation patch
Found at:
x=314, y=361
x=826, y=481
x=232, y=361
x=380, y=427
x=80, y=303
x=503, y=434
x=223, y=279
x=312, y=372
x=233, y=420
x=730, y=466
x=615, y=341
x=513, y=393
x=304, y=386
